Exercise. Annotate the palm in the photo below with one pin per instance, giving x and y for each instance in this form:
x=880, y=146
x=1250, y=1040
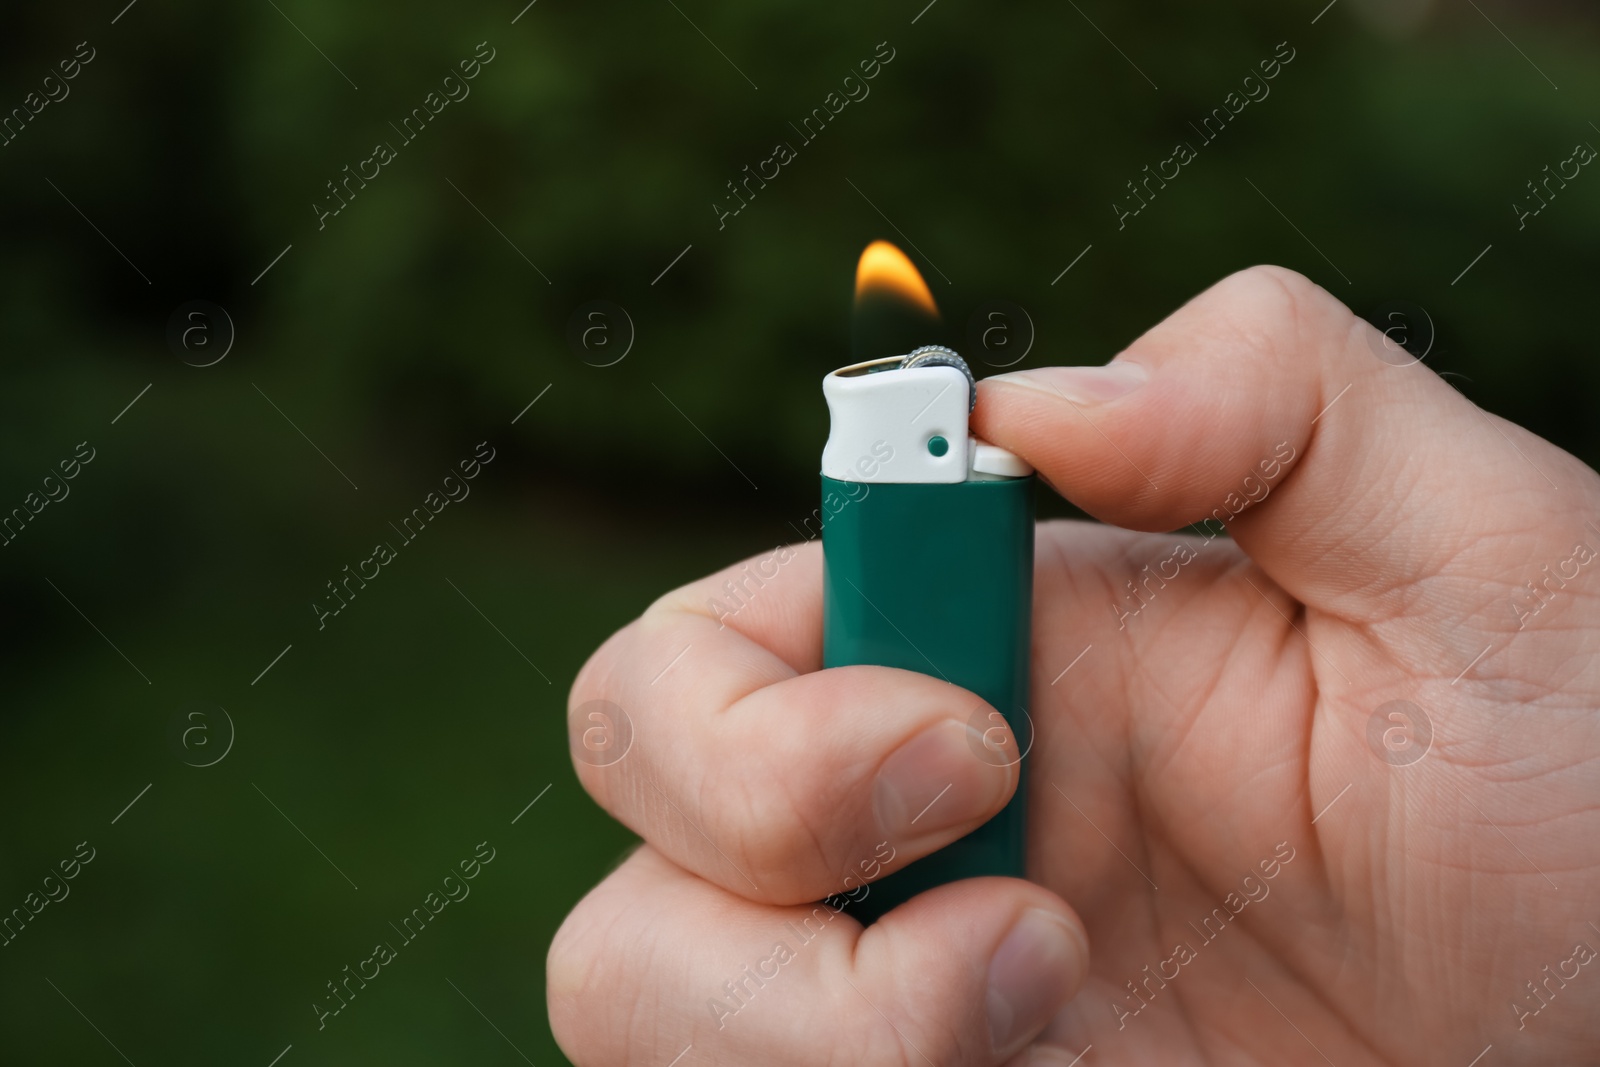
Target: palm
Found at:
x=1222, y=726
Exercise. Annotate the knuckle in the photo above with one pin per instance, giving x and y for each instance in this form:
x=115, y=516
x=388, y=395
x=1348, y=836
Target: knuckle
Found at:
x=1273, y=275
x=1297, y=298
x=1280, y=314
x=1272, y=291
x=1269, y=282
x=569, y=978
x=593, y=679
x=586, y=976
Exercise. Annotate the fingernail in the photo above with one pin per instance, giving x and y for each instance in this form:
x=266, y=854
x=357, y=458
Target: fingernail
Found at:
x=1036, y=967
x=1081, y=385
x=936, y=781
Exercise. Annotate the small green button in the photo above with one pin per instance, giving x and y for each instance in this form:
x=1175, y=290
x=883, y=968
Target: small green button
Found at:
x=938, y=446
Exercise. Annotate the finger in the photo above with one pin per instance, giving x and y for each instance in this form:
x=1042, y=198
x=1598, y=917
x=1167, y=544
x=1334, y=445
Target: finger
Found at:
x=1261, y=407
x=655, y=961
x=779, y=786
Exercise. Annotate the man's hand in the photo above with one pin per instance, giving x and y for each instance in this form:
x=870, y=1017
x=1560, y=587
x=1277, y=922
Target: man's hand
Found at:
x=1323, y=792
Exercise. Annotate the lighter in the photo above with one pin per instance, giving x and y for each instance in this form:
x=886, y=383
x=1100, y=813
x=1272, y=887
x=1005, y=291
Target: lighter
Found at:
x=927, y=541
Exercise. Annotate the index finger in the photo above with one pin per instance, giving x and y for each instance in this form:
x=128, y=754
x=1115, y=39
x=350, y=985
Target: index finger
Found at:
x=747, y=765
x=1263, y=406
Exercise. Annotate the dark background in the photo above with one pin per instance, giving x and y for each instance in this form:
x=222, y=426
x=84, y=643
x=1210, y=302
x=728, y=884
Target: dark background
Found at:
x=426, y=716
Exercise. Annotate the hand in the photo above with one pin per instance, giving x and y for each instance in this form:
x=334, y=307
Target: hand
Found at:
x=1326, y=791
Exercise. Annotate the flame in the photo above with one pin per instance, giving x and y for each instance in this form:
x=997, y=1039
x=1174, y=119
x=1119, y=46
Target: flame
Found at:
x=885, y=270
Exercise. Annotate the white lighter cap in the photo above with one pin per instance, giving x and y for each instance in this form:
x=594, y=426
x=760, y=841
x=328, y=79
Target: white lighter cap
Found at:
x=888, y=424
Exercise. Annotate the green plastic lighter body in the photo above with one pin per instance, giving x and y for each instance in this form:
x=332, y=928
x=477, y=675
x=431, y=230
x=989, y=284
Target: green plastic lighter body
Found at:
x=938, y=578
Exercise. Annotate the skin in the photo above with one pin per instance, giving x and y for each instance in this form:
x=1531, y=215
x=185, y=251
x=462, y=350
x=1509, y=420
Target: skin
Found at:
x=1440, y=855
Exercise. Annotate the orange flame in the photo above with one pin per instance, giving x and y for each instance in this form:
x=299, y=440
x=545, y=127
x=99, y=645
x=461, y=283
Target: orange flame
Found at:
x=885, y=270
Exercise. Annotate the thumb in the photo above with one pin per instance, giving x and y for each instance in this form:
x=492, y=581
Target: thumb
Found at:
x=1262, y=407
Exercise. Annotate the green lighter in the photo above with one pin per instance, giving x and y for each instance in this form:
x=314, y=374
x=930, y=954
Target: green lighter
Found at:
x=928, y=566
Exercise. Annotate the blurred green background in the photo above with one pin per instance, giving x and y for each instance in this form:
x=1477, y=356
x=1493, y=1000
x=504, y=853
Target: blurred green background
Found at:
x=427, y=314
